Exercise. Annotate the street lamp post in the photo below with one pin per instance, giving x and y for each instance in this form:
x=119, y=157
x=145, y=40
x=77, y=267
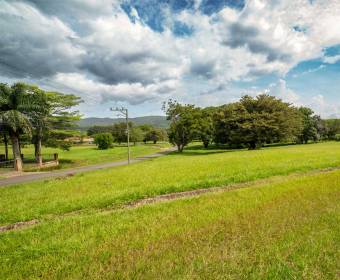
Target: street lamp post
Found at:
x=124, y=111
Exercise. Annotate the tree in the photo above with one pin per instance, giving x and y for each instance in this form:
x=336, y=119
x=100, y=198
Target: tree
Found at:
x=61, y=116
x=184, y=123
x=103, y=140
x=5, y=139
x=119, y=132
x=38, y=119
x=155, y=135
x=15, y=102
x=332, y=128
x=206, y=126
x=313, y=127
x=54, y=113
x=255, y=121
x=136, y=135
x=28, y=109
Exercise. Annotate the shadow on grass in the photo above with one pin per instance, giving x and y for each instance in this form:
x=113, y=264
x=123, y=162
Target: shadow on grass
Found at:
x=199, y=150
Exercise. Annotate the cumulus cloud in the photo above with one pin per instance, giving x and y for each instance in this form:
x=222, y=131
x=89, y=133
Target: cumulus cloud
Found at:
x=282, y=91
x=34, y=45
x=96, y=48
x=96, y=92
x=130, y=54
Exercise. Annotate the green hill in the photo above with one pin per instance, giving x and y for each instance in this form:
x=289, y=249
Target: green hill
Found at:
x=157, y=121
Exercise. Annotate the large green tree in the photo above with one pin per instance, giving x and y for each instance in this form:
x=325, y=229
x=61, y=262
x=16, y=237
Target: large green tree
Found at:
x=53, y=123
x=184, y=123
x=255, y=121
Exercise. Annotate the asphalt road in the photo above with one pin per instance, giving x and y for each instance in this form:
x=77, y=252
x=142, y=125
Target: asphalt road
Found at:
x=69, y=172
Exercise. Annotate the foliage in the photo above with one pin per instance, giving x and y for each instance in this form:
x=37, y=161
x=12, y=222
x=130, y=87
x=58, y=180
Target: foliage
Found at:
x=99, y=129
x=103, y=140
x=28, y=111
x=136, y=135
x=61, y=119
x=206, y=129
x=139, y=133
x=255, y=121
x=313, y=127
x=154, y=135
x=184, y=123
x=119, y=132
x=332, y=128
x=15, y=102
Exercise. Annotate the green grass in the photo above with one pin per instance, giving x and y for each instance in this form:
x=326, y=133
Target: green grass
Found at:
x=193, y=169
x=81, y=155
x=284, y=230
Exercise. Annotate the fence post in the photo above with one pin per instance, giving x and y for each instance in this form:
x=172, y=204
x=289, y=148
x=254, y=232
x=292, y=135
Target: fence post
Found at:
x=56, y=158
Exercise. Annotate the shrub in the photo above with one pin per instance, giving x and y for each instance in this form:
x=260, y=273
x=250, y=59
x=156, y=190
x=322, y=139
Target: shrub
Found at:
x=103, y=140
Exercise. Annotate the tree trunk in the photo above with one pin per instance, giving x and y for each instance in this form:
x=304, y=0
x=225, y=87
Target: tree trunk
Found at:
x=6, y=146
x=37, y=151
x=205, y=144
x=255, y=145
x=16, y=152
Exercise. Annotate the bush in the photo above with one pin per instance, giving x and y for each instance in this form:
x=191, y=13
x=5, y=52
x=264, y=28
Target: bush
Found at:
x=103, y=140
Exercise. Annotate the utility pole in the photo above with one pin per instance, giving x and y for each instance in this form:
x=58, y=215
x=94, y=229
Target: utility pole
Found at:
x=124, y=112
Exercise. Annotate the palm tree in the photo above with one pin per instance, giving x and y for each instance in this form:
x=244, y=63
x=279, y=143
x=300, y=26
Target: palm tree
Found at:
x=14, y=103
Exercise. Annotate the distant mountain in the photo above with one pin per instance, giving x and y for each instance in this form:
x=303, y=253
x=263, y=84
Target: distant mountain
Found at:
x=157, y=121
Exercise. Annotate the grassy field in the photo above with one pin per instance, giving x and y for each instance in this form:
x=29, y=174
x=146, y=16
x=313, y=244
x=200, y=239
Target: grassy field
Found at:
x=81, y=155
x=284, y=224
x=195, y=168
x=284, y=230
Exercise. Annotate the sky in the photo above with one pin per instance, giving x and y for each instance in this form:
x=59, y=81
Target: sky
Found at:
x=140, y=53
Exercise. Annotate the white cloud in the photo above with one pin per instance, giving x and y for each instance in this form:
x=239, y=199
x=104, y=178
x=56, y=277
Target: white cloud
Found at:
x=101, y=51
x=96, y=92
x=34, y=45
x=282, y=91
x=331, y=59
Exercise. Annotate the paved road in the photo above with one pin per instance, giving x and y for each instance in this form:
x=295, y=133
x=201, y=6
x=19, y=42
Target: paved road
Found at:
x=69, y=172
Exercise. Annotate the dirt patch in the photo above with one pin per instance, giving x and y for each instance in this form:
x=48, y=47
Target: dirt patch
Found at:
x=18, y=225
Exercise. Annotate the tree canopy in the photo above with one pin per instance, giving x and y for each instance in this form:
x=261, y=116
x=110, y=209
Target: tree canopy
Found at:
x=28, y=110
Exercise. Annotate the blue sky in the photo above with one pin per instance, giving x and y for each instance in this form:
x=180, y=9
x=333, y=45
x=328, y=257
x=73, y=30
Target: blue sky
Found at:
x=139, y=53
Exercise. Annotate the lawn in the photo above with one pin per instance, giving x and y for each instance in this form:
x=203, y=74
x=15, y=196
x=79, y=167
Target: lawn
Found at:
x=81, y=155
x=284, y=230
x=195, y=168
